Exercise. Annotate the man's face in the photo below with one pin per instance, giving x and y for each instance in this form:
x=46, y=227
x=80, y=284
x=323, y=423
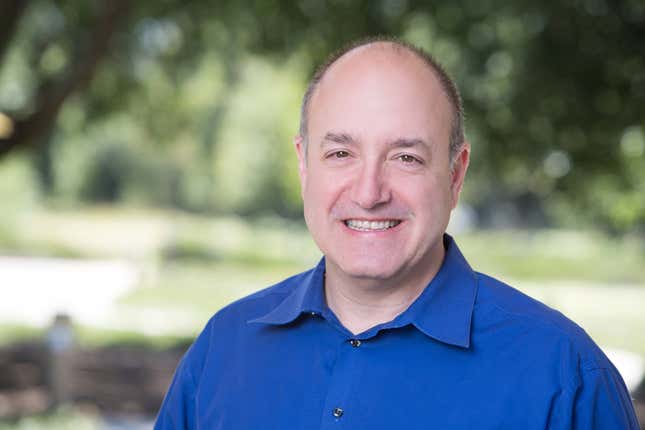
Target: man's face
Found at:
x=377, y=183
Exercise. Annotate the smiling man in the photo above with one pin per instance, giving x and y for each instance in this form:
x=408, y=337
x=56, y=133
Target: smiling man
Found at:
x=379, y=178
x=392, y=329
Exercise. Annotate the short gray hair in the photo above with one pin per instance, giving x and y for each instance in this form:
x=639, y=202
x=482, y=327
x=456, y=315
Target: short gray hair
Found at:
x=457, y=136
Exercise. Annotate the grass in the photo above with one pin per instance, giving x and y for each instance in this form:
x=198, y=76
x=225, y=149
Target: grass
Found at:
x=205, y=287
x=10, y=333
x=175, y=237
x=193, y=265
x=556, y=255
x=61, y=419
x=92, y=337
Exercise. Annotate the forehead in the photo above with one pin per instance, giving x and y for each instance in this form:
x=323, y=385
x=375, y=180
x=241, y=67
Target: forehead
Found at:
x=380, y=90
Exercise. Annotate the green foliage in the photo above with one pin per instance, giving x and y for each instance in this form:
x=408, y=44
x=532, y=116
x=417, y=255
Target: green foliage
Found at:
x=19, y=194
x=195, y=107
x=116, y=173
x=256, y=136
x=18, y=187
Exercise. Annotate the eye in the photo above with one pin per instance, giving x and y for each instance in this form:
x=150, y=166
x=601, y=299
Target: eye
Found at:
x=339, y=154
x=408, y=159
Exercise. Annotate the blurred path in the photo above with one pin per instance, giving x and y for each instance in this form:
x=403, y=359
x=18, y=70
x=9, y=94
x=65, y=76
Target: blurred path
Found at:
x=33, y=290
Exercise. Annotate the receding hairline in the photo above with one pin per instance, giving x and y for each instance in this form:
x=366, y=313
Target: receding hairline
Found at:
x=382, y=47
x=400, y=47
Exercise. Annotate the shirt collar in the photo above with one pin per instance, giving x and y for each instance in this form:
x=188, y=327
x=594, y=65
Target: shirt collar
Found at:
x=305, y=296
x=443, y=311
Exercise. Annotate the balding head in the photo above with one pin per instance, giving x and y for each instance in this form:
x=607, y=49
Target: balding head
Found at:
x=380, y=51
x=379, y=180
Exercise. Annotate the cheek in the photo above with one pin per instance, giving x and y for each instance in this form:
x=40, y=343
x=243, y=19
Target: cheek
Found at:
x=318, y=198
x=427, y=198
x=325, y=189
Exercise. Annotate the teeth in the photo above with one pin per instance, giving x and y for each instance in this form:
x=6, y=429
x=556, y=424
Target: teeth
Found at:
x=370, y=225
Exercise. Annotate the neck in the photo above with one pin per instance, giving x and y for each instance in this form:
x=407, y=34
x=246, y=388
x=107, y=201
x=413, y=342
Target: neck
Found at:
x=362, y=303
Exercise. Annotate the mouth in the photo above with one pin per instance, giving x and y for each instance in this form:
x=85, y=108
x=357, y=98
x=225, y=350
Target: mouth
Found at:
x=367, y=225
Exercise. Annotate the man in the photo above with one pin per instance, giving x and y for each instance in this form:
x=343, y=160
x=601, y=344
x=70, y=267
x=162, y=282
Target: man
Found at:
x=392, y=329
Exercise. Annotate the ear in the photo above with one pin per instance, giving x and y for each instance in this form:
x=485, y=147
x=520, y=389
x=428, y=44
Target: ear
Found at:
x=458, y=172
x=302, y=160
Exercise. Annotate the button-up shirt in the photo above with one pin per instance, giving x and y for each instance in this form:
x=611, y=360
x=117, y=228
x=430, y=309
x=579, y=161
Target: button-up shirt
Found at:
x=469, y=353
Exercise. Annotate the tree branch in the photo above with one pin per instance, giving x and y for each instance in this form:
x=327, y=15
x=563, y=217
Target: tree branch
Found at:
x=50, y=98
x=10, y=14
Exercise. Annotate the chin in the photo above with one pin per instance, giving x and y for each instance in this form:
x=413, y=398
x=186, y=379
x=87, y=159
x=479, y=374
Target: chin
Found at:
x=368, y=271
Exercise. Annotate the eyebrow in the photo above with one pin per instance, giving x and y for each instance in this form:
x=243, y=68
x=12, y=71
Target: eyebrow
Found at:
x=409, y=143
x=346, y=139
x=342, y=138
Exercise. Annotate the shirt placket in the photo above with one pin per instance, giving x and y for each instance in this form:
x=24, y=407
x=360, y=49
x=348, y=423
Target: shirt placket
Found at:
x=345, y=376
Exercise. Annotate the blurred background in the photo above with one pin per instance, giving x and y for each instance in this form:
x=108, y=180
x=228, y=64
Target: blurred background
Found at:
x=147, y=176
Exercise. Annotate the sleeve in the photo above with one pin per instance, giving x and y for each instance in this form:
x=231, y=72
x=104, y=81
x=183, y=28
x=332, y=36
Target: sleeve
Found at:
x=600, y=402
x=177, y=411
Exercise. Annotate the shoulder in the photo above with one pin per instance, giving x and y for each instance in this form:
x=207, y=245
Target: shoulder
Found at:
x=543, y=329
x=531, y=340
x=230, y=323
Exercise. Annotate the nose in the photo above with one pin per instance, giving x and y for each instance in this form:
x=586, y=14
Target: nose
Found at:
x=370, y=187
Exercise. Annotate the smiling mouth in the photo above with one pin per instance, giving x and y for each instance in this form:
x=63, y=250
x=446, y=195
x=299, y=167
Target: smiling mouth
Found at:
x=364, y=225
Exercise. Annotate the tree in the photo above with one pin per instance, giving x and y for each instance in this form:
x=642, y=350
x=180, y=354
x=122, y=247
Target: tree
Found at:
x=554, y=92
x=52, y=91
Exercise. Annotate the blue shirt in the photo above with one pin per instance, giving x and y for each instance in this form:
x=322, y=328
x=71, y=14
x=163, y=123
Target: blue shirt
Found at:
x=469, y=353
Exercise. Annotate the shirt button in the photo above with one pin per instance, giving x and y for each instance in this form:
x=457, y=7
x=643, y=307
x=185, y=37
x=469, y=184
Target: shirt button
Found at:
x=337, y=412
x=355, y=343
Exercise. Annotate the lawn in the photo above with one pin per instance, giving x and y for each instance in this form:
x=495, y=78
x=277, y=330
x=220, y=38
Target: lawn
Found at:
x=193, y=265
